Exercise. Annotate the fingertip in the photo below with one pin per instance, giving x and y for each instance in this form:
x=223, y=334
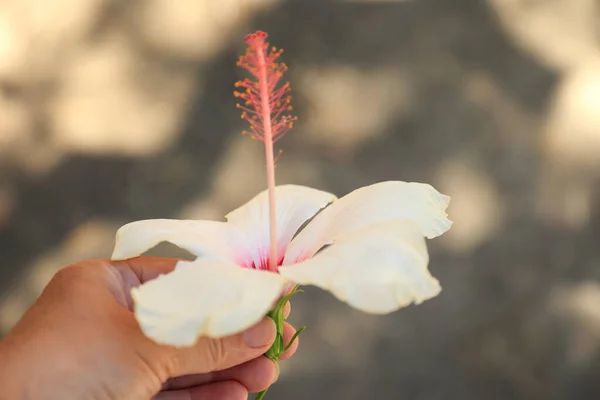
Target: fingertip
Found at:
x=259, y=374
x=215, y=354
x=277, y=371
x=261, y=335
x=147, y=268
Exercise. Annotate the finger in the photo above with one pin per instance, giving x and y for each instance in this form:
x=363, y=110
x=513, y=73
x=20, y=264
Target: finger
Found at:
x=288, y=332
x=148, y=268
x=287, y=309
x=228, y=390
x=217, y=354
x=255, y=375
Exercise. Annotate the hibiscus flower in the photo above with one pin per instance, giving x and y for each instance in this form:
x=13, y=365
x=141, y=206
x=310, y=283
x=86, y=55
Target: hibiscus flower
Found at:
x=367, y=248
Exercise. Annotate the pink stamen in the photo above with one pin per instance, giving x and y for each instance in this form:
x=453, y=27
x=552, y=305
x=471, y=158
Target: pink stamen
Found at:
x=264, y=106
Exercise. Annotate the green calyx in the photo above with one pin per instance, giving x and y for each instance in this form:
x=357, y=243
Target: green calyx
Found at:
x=279, y=346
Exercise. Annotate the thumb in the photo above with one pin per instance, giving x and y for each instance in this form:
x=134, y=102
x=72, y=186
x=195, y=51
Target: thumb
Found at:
x=209, y=354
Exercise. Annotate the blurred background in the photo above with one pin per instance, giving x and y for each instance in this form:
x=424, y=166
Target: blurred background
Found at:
x=113, y=111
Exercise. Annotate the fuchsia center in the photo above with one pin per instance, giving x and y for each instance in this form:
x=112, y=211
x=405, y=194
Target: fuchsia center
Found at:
x=263, y=264
x=246, y=261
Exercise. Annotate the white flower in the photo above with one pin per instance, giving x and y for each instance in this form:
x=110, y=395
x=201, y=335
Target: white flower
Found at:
x=367, y=248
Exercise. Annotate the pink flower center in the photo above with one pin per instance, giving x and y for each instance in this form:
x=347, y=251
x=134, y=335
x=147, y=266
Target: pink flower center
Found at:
x=263, y=264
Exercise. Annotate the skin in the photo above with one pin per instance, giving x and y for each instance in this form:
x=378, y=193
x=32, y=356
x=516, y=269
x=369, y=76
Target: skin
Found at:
x=80, y=340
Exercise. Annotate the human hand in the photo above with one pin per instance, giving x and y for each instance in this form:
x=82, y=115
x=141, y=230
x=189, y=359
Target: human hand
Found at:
x=80, y=340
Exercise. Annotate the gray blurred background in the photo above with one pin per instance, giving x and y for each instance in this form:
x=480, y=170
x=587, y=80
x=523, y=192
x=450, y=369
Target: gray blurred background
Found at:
x=113, y=111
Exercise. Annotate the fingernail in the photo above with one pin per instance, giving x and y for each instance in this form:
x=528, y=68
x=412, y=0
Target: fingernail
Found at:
x=277, y=371
x=261, y=334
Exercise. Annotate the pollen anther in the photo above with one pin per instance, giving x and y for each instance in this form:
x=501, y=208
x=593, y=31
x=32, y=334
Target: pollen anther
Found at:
x=261, y=64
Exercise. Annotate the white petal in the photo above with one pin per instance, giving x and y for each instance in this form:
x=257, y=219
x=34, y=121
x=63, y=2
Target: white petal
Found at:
x=386, y=201
x=378, y=269
x=207, y=238
x=294, y=205
x=204, y=297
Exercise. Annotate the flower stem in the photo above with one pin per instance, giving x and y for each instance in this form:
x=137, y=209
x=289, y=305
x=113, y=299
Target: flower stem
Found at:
x=261, y=395
x=268, y=140
x=279, y=346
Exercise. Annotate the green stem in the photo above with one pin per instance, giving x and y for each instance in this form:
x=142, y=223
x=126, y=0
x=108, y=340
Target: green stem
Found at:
x=261, y=395
x=279, y=346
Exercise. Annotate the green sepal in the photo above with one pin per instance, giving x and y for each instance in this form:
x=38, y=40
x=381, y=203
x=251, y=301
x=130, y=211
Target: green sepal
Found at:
x=298, y=332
